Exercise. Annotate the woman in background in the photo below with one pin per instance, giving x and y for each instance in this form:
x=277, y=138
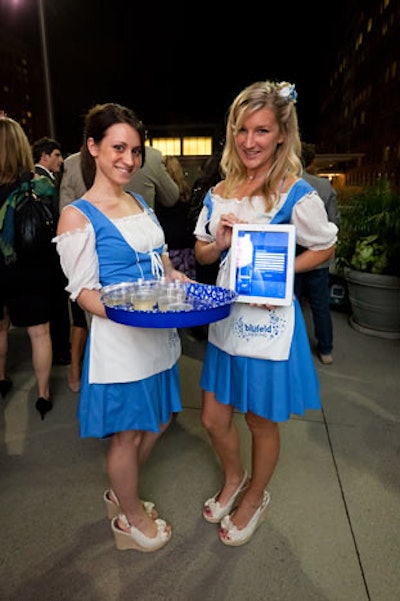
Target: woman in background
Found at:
x=174, y=221
x=26, y=279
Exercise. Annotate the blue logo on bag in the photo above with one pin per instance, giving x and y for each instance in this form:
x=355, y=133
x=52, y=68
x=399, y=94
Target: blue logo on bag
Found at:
x=247, y=330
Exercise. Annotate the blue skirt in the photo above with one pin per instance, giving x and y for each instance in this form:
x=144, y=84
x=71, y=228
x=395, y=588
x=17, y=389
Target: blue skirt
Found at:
x=117, y=407
x=271, y=389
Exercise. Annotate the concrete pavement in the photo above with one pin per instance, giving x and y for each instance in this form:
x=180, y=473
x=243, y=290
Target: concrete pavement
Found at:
x=333, y=525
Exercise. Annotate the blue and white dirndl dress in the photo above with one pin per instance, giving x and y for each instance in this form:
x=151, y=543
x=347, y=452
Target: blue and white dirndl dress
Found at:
x=130, y=376
x=258, y=360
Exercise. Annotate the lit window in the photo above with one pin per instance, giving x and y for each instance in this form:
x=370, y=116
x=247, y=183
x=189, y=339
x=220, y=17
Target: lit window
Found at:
x=196, y=146
x=167, y=146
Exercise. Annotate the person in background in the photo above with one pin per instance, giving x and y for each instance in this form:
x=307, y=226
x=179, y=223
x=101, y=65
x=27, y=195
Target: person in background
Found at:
x=48, y=160
x=153, y=181
x=267, y=374
x=5, y=382
x=130, y=378
x=174, y=221
x=72, y=187
x=210, y=175
x=26, y=281
x=314, y=284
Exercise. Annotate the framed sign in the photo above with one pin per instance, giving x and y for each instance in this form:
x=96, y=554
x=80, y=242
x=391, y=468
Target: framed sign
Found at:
x=262, y=263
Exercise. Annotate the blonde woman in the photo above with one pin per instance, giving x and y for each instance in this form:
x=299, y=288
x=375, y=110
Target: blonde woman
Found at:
x=268, y=375
x=26, y=279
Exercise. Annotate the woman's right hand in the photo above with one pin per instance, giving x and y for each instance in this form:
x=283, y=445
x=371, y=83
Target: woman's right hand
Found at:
x=223, y=235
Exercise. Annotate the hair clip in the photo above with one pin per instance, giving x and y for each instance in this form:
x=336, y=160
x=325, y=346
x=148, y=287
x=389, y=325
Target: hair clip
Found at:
x=287, y=91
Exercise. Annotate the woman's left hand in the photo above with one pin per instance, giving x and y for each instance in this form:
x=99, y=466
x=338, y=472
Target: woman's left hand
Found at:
x=177, y=276
x=263, y=306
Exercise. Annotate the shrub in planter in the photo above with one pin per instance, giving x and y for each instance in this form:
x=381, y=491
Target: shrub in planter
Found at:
x=369, y=235
x=368, y=255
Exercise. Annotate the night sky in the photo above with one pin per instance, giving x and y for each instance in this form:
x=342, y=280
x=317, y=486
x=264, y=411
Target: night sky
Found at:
x=180, y=62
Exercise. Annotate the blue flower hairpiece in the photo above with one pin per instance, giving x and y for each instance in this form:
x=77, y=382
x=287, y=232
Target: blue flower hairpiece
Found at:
x=287, y=91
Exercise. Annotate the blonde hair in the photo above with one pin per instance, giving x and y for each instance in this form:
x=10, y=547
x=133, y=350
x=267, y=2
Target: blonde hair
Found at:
x=15, y=151
x=259, y=95
x=176, y=172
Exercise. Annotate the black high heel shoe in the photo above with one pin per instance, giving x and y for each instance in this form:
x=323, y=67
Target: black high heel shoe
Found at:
x=43, y=406
x=5, y=387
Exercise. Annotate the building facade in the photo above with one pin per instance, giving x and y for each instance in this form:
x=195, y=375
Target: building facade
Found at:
x=360, y=105
x=22, y=94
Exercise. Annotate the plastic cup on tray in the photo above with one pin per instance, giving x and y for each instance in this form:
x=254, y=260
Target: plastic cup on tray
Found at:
x=144, y=295
x=116, y=295
x=171, y=294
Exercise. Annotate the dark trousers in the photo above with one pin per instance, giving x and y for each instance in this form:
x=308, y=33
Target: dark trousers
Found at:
x=60, y=325
x=314, y=285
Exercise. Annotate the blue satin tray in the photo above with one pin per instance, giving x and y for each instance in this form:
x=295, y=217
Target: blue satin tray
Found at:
x=209, y=304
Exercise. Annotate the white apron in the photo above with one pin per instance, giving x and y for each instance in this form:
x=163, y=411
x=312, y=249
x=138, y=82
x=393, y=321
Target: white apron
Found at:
x=120, y=353
x=251, y=331
x=255, y=332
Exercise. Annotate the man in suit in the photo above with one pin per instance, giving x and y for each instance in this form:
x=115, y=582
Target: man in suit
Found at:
x=314, y=284
x=152, y=181
x=48, y=160
x=72, y=185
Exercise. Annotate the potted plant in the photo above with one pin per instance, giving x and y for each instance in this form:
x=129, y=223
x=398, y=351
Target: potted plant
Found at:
x=368, y=256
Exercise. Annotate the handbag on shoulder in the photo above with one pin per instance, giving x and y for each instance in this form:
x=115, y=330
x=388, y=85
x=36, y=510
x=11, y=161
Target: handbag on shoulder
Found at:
x=27, y=224
x=34, y=224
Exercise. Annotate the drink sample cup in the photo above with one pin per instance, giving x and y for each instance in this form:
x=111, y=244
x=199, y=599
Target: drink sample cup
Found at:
x=144, y=295
x=171, y=293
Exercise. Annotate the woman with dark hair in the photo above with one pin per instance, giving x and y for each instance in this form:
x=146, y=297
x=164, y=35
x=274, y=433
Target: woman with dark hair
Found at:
x=130, y=380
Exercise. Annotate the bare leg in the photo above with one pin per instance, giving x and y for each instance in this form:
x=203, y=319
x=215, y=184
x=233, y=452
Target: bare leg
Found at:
x=123, y=471
x=78, y=342
x=148, y=441
x=217, y=420
x=41, y=357
x=4, y=327
x=265, y=454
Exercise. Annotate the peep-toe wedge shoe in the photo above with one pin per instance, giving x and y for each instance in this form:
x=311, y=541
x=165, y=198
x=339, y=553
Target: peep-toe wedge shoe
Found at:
x=113, y=508
x=230, y=535
x=135, y=539
x=214, y=512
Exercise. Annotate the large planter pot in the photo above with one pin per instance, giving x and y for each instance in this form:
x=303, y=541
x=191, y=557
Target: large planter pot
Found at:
x=375, y=303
